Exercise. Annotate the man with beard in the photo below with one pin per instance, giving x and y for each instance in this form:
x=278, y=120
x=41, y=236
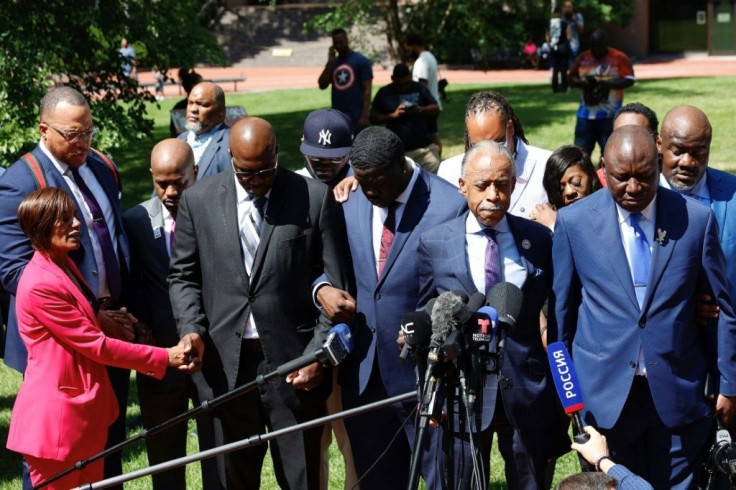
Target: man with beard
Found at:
x=684, y=144
x=326, y=143
x=207, y=133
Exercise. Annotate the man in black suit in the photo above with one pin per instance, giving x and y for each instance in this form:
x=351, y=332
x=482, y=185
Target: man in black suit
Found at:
x=241, y=278
x=151, y=226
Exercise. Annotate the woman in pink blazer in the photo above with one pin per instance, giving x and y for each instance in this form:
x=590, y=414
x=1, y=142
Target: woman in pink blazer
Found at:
x=66, y=402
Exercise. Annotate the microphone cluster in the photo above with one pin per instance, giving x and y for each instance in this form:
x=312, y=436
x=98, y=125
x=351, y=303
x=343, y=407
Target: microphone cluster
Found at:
x=461, y=335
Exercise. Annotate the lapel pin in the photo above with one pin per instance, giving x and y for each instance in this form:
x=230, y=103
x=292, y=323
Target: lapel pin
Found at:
x=661, y=236
x=526, y=244
x=157, y=232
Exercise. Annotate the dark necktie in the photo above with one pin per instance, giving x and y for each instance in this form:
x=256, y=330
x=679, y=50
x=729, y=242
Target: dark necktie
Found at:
x=252, y=231
x=387, y=236
x=493, y=259
x=640, y=257
x=112, y=266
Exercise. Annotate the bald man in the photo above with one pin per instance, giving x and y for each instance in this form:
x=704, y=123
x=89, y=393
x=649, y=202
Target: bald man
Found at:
x=207, y=133
x=684, y=144
x=249, y=243
x=150, y=227
x=629, y=314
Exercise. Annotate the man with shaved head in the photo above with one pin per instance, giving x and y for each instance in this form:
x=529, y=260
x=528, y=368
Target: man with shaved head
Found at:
x=628, y=313
x=249, y=243
x=151, y=226
x=684, y=145
x=207, y=133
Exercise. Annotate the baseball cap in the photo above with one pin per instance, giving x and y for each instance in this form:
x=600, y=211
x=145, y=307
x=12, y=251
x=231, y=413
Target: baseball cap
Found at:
x=328, y=133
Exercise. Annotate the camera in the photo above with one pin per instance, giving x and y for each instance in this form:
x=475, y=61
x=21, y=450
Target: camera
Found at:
x=722, y=455
x=594, y=94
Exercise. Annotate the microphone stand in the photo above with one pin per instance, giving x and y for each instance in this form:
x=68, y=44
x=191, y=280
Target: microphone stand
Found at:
x=261, y=379
x=250, y=441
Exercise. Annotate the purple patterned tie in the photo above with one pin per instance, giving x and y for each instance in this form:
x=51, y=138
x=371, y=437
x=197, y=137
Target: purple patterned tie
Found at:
x=112, y=266
x=493, y=259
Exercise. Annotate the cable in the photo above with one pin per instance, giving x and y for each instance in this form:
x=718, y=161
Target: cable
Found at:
x=401, y=430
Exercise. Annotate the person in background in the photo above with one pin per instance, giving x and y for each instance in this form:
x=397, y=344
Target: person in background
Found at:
x=602, y=74
x=425, y=71
x=66, y=401
x=568, y=177
x=577, y=24
x=351, y=76
x=207, y=132
x=558, y=36
x=188, y=79
x=127, y=60
x=326, y=142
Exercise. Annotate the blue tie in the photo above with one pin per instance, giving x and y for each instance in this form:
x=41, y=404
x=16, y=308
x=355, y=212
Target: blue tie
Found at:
x=641, y=257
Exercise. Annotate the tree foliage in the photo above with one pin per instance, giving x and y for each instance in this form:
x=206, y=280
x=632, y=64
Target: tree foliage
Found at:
x=454, y=27
x=45, y=42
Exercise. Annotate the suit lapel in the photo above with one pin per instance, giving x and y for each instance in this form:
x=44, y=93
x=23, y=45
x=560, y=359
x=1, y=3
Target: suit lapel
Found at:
x=361, y=219
x=666, y=231
x=209, y=153
x=156, y=215
x=605, y=229
x=276, y=201
x=525, y=245
x=230, y=227
x=717, y=201
x=457, y=241
x=416, y=205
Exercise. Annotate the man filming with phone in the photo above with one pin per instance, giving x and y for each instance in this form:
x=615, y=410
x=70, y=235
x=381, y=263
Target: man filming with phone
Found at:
x=351, y=76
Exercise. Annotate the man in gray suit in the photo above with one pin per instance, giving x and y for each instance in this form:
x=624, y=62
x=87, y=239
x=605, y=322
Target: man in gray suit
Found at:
x=151, y=226
x=249, y=244
x=207, y=133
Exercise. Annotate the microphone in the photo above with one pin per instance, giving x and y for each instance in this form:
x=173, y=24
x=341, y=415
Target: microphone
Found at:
x=506, y=299
x=569, y=393
x=337, y=346
x=417, y=329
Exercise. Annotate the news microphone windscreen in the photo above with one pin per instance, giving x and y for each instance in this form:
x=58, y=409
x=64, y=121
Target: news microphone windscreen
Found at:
x=417, y=328
x=506, y=299
x=345, y=335
x=476, y=301
x=565, y=377
x=443, y=315
x=430, y=306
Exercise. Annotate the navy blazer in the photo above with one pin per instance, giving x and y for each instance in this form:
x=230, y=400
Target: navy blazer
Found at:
x=722, y=190
x=598, y=314
x=15, y=247
x=216, y=157
x=381, y=302
x=531, y=402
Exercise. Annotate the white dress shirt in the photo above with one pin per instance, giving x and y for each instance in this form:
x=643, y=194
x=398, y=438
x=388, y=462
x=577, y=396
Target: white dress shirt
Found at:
x=512, y=269
x=199, y=143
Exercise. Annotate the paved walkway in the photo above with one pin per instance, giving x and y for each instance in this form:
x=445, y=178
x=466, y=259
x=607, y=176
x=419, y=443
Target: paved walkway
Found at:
x=274, y=78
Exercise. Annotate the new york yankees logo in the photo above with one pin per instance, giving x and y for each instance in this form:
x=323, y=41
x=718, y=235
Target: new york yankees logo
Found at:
x=325, y=137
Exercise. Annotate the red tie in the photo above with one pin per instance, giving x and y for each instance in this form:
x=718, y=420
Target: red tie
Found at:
x=387, y=236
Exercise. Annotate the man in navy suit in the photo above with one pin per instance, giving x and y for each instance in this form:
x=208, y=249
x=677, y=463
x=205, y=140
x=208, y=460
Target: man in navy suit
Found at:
x=67, y=131
x=208, y=134
x=399, y=199
x=627, y=266
x=520, y=404
x=684, y=144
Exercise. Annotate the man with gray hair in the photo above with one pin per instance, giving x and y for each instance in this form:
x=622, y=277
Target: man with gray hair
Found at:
x=207, y=133
x=520, y=406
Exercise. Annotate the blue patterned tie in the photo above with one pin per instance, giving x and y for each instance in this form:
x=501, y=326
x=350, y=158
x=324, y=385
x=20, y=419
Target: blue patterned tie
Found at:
x=641, y=257
x=493, y=259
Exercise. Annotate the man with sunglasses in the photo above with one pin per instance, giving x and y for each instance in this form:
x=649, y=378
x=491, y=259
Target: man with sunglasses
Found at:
x=64, y=158
x=249, y=244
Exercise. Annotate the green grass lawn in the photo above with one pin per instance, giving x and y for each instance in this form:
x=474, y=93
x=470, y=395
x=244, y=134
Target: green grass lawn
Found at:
x=548, y=120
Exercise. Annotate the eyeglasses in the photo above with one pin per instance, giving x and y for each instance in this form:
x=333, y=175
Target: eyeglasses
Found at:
x=250, y=174
x=72, y=137
x=328, y=161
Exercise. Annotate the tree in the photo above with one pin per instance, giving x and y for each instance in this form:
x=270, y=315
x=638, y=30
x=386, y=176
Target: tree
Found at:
x=454, y=27
x=76, y=43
